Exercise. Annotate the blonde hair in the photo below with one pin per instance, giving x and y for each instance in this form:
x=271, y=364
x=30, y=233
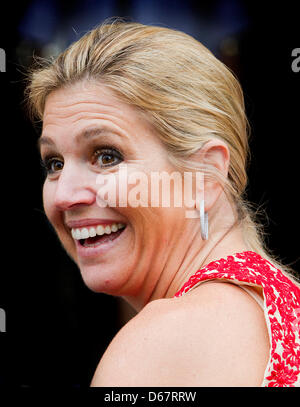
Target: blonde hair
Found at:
x=188, y=94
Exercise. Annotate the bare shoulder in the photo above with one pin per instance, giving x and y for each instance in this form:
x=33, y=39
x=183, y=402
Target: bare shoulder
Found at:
x=214, y=336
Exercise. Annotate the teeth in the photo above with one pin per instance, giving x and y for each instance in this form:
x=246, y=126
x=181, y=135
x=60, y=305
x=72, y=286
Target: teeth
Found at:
x=114, y=227
x=100, y=230
x=84, y=233
x=107, y=230
x=92, y=232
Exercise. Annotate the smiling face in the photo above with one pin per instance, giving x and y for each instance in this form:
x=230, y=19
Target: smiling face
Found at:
x=88, y=132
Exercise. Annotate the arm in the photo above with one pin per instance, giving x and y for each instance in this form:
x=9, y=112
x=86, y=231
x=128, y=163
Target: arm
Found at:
x=216, y=336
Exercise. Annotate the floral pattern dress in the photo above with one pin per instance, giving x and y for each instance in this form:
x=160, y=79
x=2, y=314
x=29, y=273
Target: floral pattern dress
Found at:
x=281, y=309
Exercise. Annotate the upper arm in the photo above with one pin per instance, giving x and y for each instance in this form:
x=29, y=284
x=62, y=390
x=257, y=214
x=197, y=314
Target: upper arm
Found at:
x=216, y=339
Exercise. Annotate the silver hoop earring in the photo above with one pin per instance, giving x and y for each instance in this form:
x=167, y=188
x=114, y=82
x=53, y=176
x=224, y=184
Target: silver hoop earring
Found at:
x=203, y=221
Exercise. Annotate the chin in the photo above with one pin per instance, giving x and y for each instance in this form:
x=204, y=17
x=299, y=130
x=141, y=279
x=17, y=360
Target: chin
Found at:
x=104, y=265
x=104, y=278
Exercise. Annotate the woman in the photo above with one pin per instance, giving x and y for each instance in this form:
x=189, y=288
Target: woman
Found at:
x=213, y=308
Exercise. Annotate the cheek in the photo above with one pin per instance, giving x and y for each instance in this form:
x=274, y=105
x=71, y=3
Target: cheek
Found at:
x=128, y=188
x=140, y=194
x=54, y=217
x=48, y=203
x=47, y=199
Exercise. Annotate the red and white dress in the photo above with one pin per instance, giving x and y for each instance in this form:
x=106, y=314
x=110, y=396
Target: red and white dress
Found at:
x=280, y=302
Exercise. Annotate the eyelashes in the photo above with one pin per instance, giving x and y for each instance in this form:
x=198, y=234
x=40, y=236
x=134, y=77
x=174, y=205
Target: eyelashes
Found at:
x=109, y=157
x=101, y=157
x=51, y=165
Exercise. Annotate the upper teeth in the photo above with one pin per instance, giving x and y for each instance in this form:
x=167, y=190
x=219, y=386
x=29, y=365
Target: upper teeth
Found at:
x=84, y=233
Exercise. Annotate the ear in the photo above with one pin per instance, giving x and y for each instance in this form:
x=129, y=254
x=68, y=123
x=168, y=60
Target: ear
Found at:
x=215, y=153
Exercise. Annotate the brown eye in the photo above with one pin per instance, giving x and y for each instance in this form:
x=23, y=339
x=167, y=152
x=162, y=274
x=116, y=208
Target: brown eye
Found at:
x=52, y=165
x=107, y=157
x=56, y=166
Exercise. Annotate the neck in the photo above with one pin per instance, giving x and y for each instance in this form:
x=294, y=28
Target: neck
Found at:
x=219, y=246
x=190, y=253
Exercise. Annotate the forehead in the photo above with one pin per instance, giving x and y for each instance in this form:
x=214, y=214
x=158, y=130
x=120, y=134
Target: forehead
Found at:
x=73, y=109
x=85, y=98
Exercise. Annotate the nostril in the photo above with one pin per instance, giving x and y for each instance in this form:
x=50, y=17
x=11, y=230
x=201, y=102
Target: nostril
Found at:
x=74, y=199
x=73, y=187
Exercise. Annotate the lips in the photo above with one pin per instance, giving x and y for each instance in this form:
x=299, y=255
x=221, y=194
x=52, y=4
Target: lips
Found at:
x=92, y=235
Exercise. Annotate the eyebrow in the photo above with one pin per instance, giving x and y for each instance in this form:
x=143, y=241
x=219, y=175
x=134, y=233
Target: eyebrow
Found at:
x=85, y=134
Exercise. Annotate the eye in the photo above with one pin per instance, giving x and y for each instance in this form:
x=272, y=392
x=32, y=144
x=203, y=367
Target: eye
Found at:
x=52, y=165
x=106, y=157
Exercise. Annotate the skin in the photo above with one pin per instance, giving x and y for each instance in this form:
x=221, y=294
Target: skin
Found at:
x=159, y=250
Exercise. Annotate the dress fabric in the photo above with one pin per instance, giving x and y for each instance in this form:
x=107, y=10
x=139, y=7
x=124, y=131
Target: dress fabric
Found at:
x=280, y=303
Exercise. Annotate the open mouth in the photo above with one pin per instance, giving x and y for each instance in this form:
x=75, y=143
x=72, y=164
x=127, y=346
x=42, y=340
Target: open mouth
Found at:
x=97, y=235
x=96, y=240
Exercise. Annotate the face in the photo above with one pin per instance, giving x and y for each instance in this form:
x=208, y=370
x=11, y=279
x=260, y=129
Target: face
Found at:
x=88, y=135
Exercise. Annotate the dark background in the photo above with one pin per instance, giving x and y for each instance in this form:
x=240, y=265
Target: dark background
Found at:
x=56, y=328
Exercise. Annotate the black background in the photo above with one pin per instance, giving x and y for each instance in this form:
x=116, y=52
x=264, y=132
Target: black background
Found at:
x=56, y=328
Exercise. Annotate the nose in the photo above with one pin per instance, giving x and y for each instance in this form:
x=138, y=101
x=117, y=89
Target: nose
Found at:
x=74, y=187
